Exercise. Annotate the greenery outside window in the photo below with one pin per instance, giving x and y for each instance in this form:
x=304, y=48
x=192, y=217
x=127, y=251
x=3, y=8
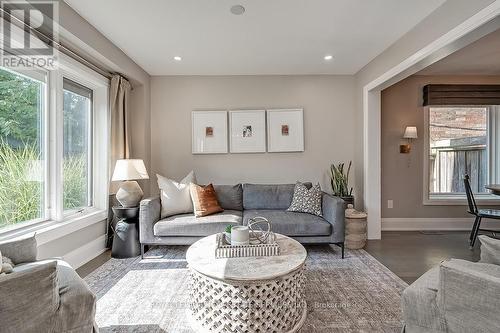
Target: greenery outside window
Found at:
x=54, y=141
x=77, y=146
x=22, y=148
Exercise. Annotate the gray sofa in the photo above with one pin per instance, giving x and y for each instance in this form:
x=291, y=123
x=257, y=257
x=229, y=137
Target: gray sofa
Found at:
x=457, y=296
x=44, y=295
x=240, y=203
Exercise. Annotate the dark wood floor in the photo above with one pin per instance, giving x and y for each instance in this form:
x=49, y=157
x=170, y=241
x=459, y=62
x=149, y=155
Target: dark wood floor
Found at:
x=408, y=254
x=89, y=267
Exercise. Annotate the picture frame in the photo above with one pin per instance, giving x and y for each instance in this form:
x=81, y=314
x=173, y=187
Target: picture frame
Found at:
x=209, y=132
x=285, y=130
x=247, y=131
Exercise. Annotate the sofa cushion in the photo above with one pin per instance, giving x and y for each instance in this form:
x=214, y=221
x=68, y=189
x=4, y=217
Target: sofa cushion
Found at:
x=189, y=225
x=230, y=196
x=20, y=250
x=291, y=223
x=256, y=196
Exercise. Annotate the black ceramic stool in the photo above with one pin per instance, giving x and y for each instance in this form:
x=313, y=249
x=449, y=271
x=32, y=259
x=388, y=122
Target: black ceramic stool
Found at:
x=126, y=238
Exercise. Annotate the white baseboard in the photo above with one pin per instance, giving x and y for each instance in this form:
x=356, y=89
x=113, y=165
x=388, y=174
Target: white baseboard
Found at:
x=416, y=224
x=85, y=253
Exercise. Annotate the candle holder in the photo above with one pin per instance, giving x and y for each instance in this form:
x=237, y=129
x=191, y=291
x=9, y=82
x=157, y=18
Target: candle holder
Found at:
x=240, y=235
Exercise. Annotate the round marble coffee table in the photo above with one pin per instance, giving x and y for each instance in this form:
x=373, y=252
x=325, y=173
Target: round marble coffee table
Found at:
x=249, y=294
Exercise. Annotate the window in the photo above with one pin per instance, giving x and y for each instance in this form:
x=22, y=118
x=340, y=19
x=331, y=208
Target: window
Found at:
x=459, y=141
x=22, y=148
x=53, y=146
x=77, y=150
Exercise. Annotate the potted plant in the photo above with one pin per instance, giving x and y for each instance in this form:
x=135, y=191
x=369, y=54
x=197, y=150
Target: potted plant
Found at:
x=339, y=178
x=227, y=233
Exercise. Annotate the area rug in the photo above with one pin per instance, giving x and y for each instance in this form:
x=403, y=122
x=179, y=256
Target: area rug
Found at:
x=355, y=294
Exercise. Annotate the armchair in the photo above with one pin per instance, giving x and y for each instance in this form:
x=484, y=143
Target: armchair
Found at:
x=457, y=296
x=43, y=296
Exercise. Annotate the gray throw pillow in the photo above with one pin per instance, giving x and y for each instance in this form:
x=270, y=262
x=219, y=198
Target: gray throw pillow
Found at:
x=490, y=250
x=306, y=200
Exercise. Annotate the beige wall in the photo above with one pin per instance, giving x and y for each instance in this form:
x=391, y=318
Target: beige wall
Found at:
x=403, y=183
x=330, y=130
x=438, y=23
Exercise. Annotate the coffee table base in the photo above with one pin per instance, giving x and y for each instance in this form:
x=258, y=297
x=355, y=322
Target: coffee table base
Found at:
x=255, y=306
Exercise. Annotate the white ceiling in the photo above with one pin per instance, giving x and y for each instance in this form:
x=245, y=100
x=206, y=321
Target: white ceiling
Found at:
x=479, y=58
x=271, y=37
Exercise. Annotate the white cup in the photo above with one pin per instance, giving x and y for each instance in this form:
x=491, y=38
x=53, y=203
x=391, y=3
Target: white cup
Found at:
x=240, y=235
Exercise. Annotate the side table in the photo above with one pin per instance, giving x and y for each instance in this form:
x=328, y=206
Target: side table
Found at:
x=126, y=237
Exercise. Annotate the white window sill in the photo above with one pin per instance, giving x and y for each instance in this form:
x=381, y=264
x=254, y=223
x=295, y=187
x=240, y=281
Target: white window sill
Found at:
x=48, y=231
x=454, y=200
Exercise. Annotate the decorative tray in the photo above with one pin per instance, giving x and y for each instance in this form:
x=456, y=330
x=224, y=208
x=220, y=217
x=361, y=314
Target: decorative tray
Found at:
x=226, y=250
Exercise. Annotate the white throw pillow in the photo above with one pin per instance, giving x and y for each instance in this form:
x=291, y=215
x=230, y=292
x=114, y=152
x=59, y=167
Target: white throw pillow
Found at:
x=175, y=196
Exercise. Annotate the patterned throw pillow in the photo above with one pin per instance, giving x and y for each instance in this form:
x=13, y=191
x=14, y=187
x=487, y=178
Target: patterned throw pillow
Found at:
x=306, y=201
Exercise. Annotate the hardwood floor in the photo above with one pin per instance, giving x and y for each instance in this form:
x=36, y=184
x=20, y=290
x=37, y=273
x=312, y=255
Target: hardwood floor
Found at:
x=408, y=254
x=92, y=265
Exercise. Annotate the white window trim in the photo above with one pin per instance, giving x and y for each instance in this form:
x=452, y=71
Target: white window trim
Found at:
x=453, y=199
x=56, y=223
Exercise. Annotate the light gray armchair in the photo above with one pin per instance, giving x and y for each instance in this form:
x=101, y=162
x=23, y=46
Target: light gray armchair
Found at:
x=457, y=296
x=43, y=296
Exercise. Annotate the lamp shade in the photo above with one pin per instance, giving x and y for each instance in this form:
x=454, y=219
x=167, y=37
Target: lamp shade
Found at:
x=410, y=133
x=130, y=169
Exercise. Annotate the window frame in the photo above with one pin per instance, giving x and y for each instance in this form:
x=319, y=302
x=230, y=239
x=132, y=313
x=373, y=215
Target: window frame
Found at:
x=493, y=157
x=90, y=157
x=53, y=130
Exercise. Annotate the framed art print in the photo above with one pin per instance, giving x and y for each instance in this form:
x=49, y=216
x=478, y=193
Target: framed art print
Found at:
x=285, y=130
x=247, y=130
x=209, y=132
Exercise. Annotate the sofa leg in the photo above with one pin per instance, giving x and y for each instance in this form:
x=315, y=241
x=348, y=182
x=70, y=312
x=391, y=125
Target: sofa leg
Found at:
x=341, y=245
x=142, y=250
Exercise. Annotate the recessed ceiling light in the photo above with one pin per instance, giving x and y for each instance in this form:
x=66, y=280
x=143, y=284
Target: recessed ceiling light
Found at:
x=237, y=9
x=177, y=58
x=328, y=57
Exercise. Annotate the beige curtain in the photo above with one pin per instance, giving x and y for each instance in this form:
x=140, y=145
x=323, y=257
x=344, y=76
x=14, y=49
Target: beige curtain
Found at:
x=120, y=136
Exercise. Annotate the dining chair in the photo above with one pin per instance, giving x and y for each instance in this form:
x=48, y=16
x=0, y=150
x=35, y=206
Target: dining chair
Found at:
x=478, y=213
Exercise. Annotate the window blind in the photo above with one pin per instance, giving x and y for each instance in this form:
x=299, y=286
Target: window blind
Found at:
x=461, y=94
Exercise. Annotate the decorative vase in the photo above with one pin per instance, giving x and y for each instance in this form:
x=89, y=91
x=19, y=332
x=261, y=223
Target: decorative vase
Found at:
x=129, y=194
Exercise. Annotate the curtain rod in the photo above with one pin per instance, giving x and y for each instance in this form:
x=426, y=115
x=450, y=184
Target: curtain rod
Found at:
x=59, y=46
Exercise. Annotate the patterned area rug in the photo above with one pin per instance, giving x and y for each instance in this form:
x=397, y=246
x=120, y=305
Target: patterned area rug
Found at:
x=355, y=294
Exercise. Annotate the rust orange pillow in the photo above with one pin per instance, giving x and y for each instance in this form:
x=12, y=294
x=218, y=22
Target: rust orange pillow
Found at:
x=204, y=200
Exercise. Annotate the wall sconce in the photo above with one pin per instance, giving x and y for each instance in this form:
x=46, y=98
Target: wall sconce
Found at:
x=410, y=134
